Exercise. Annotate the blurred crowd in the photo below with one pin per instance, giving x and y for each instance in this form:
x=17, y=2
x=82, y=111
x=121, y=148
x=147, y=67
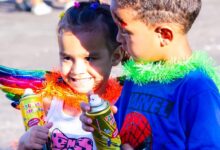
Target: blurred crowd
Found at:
x=43, y=7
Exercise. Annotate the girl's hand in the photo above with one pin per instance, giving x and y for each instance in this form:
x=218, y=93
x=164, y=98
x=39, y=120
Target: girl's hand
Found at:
x=35, y=137
x=86, y=121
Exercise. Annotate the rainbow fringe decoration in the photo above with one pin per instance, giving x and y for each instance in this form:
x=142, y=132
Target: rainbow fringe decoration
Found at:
x=14, y=82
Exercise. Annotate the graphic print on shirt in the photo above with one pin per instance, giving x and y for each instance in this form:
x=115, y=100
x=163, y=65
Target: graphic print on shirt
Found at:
x=136, y=131
x=143, y=102
x=61, y=142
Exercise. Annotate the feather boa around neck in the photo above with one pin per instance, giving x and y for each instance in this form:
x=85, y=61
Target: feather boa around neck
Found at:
x=56, y=87
x=166, y=72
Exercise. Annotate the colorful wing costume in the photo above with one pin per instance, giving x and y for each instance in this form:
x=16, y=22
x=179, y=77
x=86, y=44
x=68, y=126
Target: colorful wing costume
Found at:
x=14, y=81
x=49, y=84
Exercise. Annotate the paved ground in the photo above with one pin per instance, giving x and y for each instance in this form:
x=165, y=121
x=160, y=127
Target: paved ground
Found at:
x=29, y=42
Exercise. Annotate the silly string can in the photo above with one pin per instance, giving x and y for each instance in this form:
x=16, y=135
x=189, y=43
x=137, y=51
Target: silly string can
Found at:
x=32, y=111
x=106, y=132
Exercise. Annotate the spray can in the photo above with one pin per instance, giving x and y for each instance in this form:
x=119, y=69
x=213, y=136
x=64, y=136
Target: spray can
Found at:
x=32, y=111
x=106, y=132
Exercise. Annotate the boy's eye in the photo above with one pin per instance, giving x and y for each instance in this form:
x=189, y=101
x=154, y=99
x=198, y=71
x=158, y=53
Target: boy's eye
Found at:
x=123, y=31
x=90, y=58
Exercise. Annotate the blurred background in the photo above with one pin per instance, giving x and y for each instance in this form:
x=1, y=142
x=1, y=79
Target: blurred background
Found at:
x=28, y=41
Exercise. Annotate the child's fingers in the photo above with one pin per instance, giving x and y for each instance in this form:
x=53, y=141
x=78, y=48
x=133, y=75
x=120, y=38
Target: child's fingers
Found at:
x=40, y=140
x=35, y=142
x=48, y=125
x=114, y=109
x=42, y=135
x=85, y=107
x=86, y=122
x=39, y=132
x=85, y=119
x=87, y=128
x=37, y=146
x=39, y=129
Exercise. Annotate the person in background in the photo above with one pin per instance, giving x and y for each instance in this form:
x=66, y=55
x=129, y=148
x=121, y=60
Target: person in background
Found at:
x=37, y=7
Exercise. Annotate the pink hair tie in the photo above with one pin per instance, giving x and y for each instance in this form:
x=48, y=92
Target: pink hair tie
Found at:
x=76, y=4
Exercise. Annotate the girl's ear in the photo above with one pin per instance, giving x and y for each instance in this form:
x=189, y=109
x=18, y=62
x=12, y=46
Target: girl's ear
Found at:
x=165, y=34
x=117, y=56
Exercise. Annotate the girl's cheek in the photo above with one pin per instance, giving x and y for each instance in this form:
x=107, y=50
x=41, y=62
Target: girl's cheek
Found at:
x=65, y=69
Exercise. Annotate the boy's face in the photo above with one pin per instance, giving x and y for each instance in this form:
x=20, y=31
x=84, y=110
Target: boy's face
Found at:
x=85, y=60
x=140, y=40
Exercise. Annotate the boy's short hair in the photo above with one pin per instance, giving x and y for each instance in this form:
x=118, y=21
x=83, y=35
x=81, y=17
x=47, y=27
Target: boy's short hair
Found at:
x=182, y=12
x=88, y=17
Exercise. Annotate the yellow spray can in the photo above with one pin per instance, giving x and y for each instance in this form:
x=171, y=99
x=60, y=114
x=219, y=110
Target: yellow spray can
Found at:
x=32, y=111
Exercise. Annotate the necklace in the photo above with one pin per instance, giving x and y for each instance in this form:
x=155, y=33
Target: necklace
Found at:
x=168, y=71
x=56, y=87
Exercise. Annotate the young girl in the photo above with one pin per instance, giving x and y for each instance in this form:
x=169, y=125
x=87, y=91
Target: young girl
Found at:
x=88, y=50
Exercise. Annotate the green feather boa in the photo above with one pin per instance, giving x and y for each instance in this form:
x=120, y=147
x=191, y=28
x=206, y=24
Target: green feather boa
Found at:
x=166, y=72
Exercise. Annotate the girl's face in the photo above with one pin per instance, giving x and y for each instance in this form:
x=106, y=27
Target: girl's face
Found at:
x=140, y=40
x=85, y=60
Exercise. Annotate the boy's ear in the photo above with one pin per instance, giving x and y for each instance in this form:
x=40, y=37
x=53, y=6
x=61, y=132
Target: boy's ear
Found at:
x=165, y=34
x=117, y=56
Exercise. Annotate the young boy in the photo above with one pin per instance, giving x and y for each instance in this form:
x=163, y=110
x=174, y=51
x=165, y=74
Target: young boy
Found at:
x=170, y=99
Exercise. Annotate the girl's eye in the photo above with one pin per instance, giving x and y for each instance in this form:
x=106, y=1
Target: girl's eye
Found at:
x=66, y=58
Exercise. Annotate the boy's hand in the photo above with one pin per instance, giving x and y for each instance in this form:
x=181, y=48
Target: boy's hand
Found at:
x=86, y=121
x=35, y=137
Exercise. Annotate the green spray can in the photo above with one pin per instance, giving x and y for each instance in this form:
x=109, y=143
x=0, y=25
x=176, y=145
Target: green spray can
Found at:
x=106, y=134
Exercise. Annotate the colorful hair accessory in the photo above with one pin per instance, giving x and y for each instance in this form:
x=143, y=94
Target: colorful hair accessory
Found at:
x=76, y=4
x=61, y=14
x=94, y=5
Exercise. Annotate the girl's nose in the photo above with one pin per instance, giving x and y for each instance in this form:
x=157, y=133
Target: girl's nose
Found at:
x=78, y=67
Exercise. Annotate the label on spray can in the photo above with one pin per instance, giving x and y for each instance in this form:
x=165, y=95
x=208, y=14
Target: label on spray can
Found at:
x=106, y=132
x=32, y=111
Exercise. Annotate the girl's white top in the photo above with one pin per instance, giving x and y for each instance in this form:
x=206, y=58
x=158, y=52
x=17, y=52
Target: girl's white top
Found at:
x=67, y=132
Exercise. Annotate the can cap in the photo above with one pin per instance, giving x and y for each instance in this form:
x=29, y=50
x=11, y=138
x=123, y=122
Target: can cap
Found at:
x=27, y=92
x=94, y=100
